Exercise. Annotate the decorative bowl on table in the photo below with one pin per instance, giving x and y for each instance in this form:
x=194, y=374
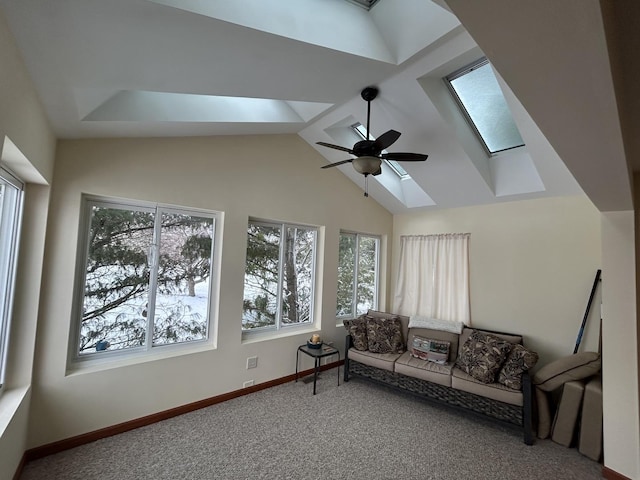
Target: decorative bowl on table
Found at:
x=311, y=344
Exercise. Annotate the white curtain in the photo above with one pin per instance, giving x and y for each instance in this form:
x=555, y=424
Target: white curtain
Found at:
x=433, y=277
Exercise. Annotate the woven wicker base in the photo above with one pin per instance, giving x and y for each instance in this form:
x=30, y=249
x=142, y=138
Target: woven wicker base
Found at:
x=492, y=408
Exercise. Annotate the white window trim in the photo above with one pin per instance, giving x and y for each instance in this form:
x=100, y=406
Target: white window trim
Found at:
x=75, y=359
x=12, y=231
x=376, y=297
x=280, y=329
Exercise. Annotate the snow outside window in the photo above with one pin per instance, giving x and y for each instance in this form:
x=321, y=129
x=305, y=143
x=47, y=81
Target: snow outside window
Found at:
x=357, y=274
x=146, y=277
x=279, y=276
x=11, y=190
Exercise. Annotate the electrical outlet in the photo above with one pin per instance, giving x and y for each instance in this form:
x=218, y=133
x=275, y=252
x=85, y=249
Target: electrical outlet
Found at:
x=252, y=362
x=248, y=383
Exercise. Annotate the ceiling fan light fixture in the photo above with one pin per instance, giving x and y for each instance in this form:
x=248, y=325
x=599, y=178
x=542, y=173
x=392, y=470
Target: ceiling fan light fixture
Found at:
x=367, y=165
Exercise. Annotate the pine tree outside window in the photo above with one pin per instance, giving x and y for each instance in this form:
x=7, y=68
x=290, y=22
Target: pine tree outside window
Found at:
x=145, y=278
x=357, y=274
x=279, y=276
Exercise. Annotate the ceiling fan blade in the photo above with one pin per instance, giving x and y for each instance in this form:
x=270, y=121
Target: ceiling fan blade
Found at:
x=378, y=172
x=404, y=157
x=338, y=163
x=336, y=147
x=386, y=139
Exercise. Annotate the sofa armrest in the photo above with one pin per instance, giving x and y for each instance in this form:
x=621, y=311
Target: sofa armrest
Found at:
x=527, y=408
x=348, y=343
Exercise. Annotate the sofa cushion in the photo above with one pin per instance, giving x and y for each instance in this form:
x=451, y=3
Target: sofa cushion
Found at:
x=573, y=367
x=482, y=355
x=384, y=335
x=358, y=331
x=424, y=370
x=429, y=349
x=384, y=361
x=465, y=382
x=404, y=320
x=518, y=361
x=466, y=332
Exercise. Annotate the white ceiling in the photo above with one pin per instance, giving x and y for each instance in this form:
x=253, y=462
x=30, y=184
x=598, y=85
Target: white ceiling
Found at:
x=217, y=67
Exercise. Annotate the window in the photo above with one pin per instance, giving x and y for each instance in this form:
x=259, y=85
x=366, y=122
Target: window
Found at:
x=361, y=130
x=476, y=90
x=357, y=274
x=279, y=276
x=146, y=277
x=11, y=192
x=433, y=277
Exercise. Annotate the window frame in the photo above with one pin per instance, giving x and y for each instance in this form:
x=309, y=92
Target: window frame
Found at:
x=9, y=235
x=481, y=62
x=280, y=326
x=376, y=296
x=87, y=204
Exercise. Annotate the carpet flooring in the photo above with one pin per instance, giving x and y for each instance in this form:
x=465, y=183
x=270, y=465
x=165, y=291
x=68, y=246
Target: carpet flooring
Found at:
x=357, y=430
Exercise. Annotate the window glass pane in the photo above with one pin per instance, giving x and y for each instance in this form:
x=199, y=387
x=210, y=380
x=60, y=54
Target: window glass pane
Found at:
x=346, y=274
x=480, y=95
x=184, y=268
x=297, y=279
x=10, y=204
x=117, y=274
x=260, y=303
x=367, y=271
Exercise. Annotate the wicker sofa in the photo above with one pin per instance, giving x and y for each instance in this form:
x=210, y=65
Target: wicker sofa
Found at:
x=443, y=383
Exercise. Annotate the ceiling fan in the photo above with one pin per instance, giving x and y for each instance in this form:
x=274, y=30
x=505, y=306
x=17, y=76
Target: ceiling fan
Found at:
x=369, y=153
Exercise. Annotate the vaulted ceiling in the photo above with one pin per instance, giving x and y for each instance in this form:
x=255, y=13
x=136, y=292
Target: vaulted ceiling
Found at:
x=191, y=67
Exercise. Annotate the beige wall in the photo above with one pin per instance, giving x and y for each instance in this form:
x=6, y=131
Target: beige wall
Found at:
x=620, y=345
x=532, y=266
x=274, y=177
x=28, y=146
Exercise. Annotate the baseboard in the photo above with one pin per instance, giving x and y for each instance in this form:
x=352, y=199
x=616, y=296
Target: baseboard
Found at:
x=18, y=473
x=66, y=444
x=612, y=474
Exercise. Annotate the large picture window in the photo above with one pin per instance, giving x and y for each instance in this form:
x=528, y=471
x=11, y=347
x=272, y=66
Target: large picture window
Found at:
x=145, y=278
x=11, y=192
x=279, y=276
x=357, y=274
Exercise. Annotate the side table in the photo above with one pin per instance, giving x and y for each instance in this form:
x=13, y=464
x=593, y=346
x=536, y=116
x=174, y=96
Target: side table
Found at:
x=317, y=354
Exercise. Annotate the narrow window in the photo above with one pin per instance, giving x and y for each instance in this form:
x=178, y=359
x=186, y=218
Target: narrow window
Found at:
x=11, y=193
x=146, y=277
x=279, y=276
x=480, y=98
x=357, y=274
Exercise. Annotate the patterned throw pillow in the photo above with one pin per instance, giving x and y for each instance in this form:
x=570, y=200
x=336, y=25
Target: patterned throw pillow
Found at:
x=436, y=351
x=384, y=335
x=519, y=361
x=358, y=332
x=482, y=355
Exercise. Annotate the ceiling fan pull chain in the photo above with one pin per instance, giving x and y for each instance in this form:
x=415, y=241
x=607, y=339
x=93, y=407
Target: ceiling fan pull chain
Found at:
x=366, y=185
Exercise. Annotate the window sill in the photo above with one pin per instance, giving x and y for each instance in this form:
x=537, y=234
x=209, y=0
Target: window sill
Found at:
x=255, y=337
x=10, y=401
x=97, y=364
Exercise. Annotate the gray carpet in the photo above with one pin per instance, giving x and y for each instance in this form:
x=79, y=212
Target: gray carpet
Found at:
x=355, y=431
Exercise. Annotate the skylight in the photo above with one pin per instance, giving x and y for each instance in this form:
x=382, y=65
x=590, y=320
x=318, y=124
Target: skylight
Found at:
x=395, y=166
x=477, y=91
x=364, y=3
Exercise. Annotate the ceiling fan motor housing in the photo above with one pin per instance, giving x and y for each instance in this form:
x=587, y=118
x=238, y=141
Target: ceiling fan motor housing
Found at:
x=366, y=147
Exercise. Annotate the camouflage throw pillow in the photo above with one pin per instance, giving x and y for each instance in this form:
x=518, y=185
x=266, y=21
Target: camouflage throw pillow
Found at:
x=384, y=335
x=482, y=355
x=519, y=361
x=358, y=332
